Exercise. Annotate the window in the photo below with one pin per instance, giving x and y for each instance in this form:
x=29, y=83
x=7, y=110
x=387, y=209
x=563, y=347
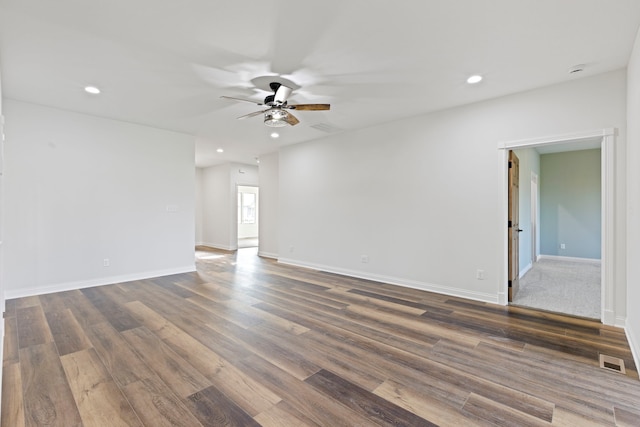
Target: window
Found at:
x=246, y=208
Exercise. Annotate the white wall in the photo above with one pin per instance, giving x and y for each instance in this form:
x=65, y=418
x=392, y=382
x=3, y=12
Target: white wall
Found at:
x=219, y=202
x=269, y=203
x=633, y=188
x=198, y=206
x=216, y=199
x=80, y=189
x=422, y=197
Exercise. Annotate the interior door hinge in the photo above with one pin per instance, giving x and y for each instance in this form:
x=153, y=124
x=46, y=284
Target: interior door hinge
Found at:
x=510, y=164
x=509, y=224
x=510, y=284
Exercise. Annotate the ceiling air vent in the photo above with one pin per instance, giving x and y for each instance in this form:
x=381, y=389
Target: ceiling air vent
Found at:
x=325, y=127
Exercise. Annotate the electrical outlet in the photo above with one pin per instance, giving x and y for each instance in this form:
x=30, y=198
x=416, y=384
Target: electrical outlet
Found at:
x=480, y=274
x=291, y=249
x=364, y=259
x=563, y=246
x=105, y=262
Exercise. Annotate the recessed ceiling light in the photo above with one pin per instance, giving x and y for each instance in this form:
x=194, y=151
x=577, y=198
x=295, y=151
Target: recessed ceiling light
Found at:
x=257, y=160
x=476, y=78
x=92, y=89
x=220, y=150
x=275, y=135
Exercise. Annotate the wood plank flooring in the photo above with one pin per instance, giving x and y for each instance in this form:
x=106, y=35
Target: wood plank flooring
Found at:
x=246, y=341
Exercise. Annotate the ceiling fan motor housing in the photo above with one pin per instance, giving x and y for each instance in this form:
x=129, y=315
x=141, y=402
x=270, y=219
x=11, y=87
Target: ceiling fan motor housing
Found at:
x=275, y=86
x=270, y=100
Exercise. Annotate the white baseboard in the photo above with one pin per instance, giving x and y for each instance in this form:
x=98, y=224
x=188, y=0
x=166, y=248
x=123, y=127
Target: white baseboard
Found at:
x=503, y=298
x=109, y=280
x=268, y=254
x=634, y=343
x=525, y=270
x=608, y=318
x=570, y=258
x=620, y=322
x=430, y=287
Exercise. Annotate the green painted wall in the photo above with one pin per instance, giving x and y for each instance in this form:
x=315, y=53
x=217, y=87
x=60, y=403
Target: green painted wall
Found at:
x=570, y=199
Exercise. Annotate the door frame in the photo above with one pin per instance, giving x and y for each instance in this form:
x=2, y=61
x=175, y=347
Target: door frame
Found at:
x=235, y=217
x=534, y=217
x=606, y=137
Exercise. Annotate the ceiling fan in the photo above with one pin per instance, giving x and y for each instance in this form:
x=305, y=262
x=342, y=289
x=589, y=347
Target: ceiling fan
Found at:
x=277, y=115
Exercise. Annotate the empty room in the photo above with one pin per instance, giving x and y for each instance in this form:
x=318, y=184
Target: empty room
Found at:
x=319, y=213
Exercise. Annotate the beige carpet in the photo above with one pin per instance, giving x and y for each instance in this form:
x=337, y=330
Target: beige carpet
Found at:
x=562, y=286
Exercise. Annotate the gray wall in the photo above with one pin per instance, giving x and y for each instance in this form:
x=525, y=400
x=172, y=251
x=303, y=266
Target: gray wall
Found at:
x=570, y=204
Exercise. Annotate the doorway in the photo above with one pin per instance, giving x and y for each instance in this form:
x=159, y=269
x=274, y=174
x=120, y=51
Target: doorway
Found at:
x=565, y=276
x=248, y=216
x=604, y=140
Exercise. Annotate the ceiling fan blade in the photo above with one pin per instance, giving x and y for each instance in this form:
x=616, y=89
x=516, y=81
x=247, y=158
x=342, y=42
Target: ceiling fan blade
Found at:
x=246, y=116
x=282, y=94
x=291, y=119
x=240, y=99
x=309, y=107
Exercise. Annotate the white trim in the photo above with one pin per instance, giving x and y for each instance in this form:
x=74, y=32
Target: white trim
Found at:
x=557, y=139
x=535, y=218
x=503, y=273
x=263, y=254
x=525, y=270
x=608, y=255
x=635, y=345
x=429, y=287
x=571, y=259
x=70, y=286
x=607, y=149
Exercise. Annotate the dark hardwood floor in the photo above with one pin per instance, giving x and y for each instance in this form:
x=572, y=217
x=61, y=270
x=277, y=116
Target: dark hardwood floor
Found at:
x=246, y=341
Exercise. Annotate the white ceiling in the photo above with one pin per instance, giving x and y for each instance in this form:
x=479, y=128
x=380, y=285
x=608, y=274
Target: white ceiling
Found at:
x=165, y=63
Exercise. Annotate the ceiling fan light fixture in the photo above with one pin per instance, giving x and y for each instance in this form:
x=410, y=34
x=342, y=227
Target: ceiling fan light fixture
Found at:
x=275, y=118
x=274, y=123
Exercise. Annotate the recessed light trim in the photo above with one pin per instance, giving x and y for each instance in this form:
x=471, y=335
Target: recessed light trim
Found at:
x=275, y=135
x=220, y=150
x=92, y=90
x=476, y=78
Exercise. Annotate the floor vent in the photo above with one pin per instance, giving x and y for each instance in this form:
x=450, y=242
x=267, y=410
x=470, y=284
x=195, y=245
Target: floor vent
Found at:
x=610, y=363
